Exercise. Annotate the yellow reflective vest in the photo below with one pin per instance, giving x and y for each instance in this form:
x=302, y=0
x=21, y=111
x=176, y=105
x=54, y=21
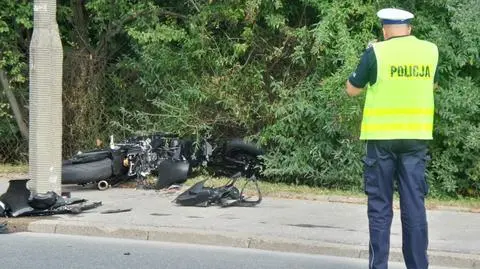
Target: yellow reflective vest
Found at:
x=400, y=105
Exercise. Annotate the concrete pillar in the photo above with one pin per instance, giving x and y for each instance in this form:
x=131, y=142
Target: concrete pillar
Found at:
x=45, y=100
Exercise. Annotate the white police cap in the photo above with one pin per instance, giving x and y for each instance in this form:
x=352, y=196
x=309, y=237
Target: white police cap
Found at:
x=394, y=16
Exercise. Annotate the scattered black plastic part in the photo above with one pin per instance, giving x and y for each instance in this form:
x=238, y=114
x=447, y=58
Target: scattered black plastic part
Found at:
x=16, y=198
x=116, y=211
x=225, y=196
x=172, y=172
x=16, y=202
x=3, y=228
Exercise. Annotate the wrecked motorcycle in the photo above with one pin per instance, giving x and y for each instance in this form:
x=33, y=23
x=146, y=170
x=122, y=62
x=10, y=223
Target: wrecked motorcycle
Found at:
x=233, y=157
x=169, y=157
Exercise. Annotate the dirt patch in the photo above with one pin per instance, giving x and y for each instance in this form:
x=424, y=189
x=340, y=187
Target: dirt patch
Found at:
x=16, y=225
x=10, y=176
x=475, y=210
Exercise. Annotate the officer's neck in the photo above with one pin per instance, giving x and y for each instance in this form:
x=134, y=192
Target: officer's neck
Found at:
x=397, y=36
x=396, y=30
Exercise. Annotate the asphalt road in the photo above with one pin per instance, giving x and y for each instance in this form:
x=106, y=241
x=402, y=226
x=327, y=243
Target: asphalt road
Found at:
x=29, y=250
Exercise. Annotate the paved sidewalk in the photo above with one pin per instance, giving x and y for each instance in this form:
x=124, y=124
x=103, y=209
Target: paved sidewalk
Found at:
x=319, y=227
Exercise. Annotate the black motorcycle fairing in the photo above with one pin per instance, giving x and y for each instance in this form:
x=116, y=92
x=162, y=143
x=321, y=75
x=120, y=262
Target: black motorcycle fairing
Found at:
x=172, y=172
x=196, y=195
x=16, y=198
x=225, y=196
x=84, y=173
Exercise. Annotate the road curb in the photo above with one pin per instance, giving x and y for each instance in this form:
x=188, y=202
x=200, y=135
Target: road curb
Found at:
x=227, y=239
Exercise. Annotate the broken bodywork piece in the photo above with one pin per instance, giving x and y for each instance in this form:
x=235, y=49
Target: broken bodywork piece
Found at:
x=172, y=172
x=17, y=201
x=3, y=228
x=225, y=196
x=111, y=211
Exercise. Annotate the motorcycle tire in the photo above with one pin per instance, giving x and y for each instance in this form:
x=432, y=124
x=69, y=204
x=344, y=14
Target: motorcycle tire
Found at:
x=235, y=157
x=84, y=173
x=237, y=145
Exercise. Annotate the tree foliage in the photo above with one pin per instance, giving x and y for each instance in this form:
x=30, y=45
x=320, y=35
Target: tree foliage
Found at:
x=270, y=70
x=15, y=30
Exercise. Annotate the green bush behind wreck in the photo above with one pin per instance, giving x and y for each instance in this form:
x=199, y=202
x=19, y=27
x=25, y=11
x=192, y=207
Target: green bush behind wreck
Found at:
x=270, y=70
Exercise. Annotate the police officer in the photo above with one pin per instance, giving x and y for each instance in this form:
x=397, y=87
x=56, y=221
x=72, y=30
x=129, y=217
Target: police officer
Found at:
x=399, y=75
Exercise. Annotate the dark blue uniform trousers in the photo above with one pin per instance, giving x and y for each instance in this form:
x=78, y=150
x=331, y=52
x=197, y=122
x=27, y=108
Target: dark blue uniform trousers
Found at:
x=404, y=161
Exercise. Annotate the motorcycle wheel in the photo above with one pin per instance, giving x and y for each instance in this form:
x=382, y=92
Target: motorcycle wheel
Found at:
x=236, y=162
x=247, y=159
